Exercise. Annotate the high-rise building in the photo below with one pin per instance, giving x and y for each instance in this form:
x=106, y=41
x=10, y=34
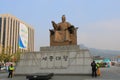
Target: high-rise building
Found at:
x=15, y=34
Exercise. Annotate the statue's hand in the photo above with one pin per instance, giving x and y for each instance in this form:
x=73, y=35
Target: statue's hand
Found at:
x=53, y=22
x=54, y=25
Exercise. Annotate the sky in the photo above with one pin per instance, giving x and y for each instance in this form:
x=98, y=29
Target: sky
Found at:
x=98, y=20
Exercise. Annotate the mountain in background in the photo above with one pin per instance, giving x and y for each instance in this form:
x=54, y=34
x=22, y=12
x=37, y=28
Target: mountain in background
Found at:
x=101, y=52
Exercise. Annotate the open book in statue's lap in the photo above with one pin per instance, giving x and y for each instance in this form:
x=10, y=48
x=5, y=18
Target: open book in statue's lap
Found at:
x=63, y=34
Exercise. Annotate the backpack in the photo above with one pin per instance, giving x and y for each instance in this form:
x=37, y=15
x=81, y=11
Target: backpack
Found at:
x=93, y=65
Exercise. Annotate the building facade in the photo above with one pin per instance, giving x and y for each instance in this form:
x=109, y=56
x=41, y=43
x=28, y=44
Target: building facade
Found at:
x=16, y=34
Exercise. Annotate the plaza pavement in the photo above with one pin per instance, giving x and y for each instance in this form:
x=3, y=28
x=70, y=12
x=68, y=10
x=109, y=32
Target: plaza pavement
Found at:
x=112, y=73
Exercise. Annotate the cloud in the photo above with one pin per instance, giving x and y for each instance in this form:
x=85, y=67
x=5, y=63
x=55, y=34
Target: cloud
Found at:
x=113, y=24
x=102, y=35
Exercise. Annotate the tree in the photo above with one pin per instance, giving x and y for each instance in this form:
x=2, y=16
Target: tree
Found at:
x=7, y=56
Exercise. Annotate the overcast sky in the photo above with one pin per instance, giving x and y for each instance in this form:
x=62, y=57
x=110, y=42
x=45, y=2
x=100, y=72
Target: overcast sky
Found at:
x=98, y=20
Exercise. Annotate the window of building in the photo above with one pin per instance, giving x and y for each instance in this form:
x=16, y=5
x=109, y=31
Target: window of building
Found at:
x=4, y=30
x=0, y=27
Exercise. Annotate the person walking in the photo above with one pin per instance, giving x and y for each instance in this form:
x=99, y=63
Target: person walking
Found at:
x=93, y=65
x=98, y=69
x=11, y=69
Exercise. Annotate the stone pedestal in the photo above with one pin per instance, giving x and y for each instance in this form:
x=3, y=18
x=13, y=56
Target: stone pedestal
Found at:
x=57, y=60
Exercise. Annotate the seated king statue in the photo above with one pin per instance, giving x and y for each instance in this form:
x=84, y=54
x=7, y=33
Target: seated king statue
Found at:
x=63, y=33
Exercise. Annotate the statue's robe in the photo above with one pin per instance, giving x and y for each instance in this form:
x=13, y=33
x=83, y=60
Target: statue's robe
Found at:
x=63, y=34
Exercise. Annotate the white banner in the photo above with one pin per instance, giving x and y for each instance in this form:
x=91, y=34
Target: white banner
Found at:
x=23, y=36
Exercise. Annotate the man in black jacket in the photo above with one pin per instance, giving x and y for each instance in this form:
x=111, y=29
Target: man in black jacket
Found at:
x=93, y=65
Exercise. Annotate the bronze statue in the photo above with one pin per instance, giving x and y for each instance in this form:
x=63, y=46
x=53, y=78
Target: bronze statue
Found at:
x=63, y=31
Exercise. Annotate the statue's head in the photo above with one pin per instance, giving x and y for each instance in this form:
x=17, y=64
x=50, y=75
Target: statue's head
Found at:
x=63, y=18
